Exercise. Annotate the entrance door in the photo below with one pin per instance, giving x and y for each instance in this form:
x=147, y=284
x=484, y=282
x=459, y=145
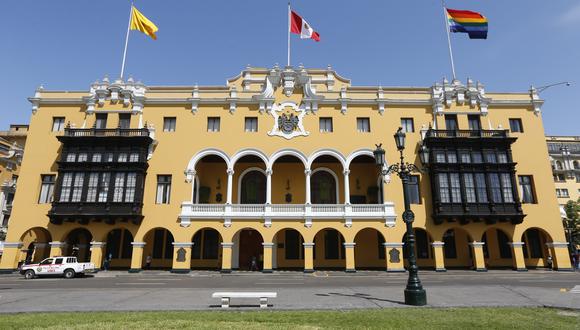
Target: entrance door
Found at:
x=254, y=188
x=323, y=189
x=250, y=248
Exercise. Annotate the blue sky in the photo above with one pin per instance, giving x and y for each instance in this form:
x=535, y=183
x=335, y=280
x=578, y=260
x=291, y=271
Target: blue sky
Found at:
x=66, y=44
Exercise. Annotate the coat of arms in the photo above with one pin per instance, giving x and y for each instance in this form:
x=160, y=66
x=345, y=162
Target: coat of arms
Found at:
x=288, y=120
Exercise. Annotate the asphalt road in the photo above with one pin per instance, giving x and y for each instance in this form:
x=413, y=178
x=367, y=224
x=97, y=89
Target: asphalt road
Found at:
x=161, y=290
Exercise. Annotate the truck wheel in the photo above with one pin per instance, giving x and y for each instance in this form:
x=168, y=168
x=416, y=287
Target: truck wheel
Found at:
x=29, y=274
x=69, y=273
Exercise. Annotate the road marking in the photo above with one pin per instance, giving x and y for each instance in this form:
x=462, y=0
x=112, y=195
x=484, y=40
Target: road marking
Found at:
x=278, y=283
x=157, y=279
x=575, y=289
x=140, y=283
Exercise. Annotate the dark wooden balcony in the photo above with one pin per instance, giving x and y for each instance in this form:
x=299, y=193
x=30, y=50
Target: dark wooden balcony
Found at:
x=439, y=133
x=84, y=212
x=489, y=213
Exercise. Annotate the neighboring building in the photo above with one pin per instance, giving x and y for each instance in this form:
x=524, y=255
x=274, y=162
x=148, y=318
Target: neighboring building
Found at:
x=564, y=154
x=11, y=149
x=277, y=166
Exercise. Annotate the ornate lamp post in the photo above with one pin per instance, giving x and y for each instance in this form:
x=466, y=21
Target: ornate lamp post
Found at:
x=414, y=292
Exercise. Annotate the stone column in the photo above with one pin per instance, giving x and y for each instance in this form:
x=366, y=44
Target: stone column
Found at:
x=308, y=172
x=349, y=256
x=268, y=254
x=137, y=257
x=478, y=259
x=439, y=256
x=394, y=257
x=56, y=248
x=9, y=260
x=308, y=257
x=181, y=257
x=346, y=187
x=518, y=260
x=268, y=186
x=560, y=256
x=230, y=183
x=97, y=252
x=227, y=257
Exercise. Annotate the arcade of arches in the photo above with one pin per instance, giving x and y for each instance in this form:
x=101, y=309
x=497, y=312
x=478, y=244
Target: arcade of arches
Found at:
x=291, y=247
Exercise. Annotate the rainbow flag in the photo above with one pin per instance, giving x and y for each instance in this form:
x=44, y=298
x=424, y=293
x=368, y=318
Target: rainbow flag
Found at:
x=470, y=22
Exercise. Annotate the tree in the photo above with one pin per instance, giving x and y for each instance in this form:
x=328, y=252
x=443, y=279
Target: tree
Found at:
x=572, y=222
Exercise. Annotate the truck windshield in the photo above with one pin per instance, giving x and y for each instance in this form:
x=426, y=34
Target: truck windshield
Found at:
x=46, y=262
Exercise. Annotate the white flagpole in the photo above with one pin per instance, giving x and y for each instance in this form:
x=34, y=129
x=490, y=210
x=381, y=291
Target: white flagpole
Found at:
x=289, y=25
x=126, y=42
x=448, y=38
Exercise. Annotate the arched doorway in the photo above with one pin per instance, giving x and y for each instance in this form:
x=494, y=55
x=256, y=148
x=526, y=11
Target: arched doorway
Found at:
x=289, y=250
x=36, y=241
x=206, y=250
x=210, y=183
x=288, y=184
x=158, y=248
x=248, y=250
x=535, y=250
x=329, y=252
x=323, y=187
x=456, y=250
x=423, y=249
x=496, y=250
x=253, y=187
x=119, y=248
x=78, y=244
x=369, y=251
x=365, y=181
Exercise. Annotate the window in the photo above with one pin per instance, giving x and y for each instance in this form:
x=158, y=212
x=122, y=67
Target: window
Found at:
x=134, y=157
x=476, y=157
x=82, y=157
x=502, y=157
x=465, y=157
x=325, y=124
x=363, y=125
x=66, y=187
x=444, y=195
x=104, y=187
x=92, y=187
x=455, y=187
x=413, y=186
x=473, y=122
x=440, y=157
x=163, y=189
x=469, y=188
x=124, y=120
x=451, y=122
x=58, y=261
x=481, y=187
x=96, y=158
x=451, y=157
x=169, y=124
x=130, y=187
x=251, y=124
x=495, y=187
x=46, y=188
x=527, y=188
x=57, y=124
x=101, y=121
x=71, y=157
x=559, y=178
x=119, y=187
x=109, y=157
x=506, y=185
x=407, y=125
x=213, y=124
x=562, y=193
x=516, y=125
x=122, y=158
x=78, y=187
x=490, y=157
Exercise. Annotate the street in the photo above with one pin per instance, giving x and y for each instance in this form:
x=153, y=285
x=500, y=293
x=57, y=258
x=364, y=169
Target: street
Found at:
x=157, y=290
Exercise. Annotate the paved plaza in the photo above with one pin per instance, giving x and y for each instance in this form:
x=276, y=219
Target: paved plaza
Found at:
x=157, y=290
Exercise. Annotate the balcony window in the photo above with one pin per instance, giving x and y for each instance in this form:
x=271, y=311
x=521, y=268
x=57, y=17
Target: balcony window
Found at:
x=67, y=179
x=465, y=157
x=96, y=158
x=46, y=188
x=109, y=157
x=57, y=124
x=119, y=187
x=473, y=122
x=495, y=187
x=92, y=187
x=516, y=125
x=103, y=190
x=101, y=121
x=408, y=125
x=477, y=157
x=71, y=157
x=363, y=125
x=163, y=189
x=251, y=124
x=444, y=194
x=169, y=124
x=451, y=123
x=490, y=157
x=502, y=157
x=451, y=157
x=325, y=124
x=213, y=124
x=124, y=120
x=77, y=189
x=455, y=187
x=506, y=185
x=440, y=157
x=122, y=158
x=82, y=157
x=134, y=157
x=527, y=189
x=469, y=188
x=481, y=187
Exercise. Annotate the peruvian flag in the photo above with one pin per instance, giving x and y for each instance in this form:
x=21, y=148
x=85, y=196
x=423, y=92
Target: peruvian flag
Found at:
x=299, y=26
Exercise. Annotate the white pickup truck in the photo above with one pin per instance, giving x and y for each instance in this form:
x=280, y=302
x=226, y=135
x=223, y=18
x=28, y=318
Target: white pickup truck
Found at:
x=68, y=267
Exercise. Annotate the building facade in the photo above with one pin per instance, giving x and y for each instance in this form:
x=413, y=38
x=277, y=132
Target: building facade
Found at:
x=564, y=154
x=275, y=170
x=11, y=149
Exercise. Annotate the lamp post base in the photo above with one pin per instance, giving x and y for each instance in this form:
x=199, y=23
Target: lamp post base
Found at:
x=415, y=297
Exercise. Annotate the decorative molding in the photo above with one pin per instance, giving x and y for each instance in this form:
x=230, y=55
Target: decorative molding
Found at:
x=13, y=245
x=557, y=244
x=268, y=245
x=194, y=99
x=516, y=244
x=288, y=127
x=182, y=244
x=54, y=244
x=445, y=94
x=227, y=245
x=128, y=92
x=308, y=245
x=97, y=245
x=138, y=244
x=477, y=244
x=349, y=245
x=393, y=245
x=438, y=244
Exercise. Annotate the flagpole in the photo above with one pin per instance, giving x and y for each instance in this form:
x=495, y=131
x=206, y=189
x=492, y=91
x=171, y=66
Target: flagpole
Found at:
x=289, y=26
x=448, y=38
x=126, y=42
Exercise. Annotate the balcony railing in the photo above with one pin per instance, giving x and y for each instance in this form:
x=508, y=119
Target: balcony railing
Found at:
x=105, y=132
x=269, y=212
x=439, y=133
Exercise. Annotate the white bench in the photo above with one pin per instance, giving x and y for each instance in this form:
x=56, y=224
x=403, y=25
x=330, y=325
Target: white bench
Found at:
x=226, y=296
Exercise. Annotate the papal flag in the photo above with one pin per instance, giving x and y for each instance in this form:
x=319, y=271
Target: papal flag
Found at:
x=141, y=23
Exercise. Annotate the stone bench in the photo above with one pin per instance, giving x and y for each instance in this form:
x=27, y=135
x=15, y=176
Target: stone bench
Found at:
x=226, y=296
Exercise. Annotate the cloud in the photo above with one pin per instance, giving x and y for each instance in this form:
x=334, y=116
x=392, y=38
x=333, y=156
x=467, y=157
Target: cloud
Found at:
x=571, y=16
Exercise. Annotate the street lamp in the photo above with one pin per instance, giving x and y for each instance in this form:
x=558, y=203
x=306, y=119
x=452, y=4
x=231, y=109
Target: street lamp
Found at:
x=543, y=88
x=414, y=292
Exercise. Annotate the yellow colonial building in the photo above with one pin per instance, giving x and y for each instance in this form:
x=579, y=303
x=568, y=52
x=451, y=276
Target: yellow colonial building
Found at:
x=275, y=170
